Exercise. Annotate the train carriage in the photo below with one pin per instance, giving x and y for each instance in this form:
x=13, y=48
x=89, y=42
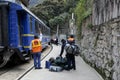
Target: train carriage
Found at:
x=18, y=25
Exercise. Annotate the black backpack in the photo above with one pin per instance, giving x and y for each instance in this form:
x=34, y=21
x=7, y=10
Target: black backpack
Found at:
x=76, y=50
x=60, y=61
x=69, y=49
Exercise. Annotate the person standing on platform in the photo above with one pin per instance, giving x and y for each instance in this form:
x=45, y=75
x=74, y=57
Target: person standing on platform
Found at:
x=70, y=57
x=63, y=41
x=36, y=49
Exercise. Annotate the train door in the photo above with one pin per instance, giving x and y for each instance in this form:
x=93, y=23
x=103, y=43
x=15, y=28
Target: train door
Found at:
x=37, y=27
x=20, y=27
x=3, y=26
x=0, y=27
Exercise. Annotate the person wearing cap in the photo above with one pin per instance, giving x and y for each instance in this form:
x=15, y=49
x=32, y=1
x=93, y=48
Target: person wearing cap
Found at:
x=36, y=49
x=71, y=57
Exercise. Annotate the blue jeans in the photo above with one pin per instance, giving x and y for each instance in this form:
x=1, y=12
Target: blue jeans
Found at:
x=37, y=59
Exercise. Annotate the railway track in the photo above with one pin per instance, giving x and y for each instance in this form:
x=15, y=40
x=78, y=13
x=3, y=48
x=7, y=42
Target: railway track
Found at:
x=2, y=71
x=17, y=72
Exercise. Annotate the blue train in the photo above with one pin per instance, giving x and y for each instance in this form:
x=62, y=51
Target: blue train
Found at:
x=18, y=25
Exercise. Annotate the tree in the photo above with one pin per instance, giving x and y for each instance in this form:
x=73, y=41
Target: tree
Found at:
x=58, y=20
x=54, y=12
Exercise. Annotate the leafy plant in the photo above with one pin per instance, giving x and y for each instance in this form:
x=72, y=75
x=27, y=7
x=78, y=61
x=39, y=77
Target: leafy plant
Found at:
x=90, y=25
x=55, y=12
x=82, y=10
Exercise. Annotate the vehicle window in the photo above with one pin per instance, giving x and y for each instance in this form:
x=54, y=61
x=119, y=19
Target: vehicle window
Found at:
x=31, y=24
x=36, y=27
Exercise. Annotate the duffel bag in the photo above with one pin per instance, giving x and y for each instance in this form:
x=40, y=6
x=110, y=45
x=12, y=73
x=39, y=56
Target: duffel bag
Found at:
x=55, y=68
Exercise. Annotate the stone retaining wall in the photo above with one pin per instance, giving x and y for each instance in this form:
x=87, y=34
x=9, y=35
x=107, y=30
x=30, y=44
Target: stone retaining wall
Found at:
x=100, y=47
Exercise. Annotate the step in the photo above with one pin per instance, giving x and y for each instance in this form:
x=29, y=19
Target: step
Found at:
x=27, y=58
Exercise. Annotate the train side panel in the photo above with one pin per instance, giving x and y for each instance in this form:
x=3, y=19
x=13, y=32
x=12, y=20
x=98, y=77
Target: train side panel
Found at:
x=18, y=28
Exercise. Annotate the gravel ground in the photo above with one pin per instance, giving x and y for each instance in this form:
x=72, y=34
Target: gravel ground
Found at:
x=15, y=72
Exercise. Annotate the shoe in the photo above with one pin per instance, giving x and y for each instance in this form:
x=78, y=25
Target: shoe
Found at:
x=36, y=68
x=71, y=67
x=67, y=69
x=74, y=68
x=39, y=67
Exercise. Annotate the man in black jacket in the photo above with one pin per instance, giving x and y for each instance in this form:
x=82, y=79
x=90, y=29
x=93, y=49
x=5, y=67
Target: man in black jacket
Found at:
x=70, y=57
x=63, y=46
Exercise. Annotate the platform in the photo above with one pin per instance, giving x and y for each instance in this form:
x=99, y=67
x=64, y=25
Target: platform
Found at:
x=82, y=72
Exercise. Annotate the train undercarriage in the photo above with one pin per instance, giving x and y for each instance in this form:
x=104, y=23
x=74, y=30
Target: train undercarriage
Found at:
x=8, y=55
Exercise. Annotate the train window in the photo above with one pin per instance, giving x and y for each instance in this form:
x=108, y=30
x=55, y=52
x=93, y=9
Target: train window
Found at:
x=46, y=30
x=43, y=29
x=36, y=27
x=0, y=29
x=31, y=24
x=39, y=26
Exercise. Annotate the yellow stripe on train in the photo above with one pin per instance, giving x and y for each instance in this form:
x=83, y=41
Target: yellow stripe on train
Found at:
x=26, y=46
x=27, y=35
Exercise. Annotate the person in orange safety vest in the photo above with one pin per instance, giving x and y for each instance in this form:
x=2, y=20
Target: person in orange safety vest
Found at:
x=36, y=49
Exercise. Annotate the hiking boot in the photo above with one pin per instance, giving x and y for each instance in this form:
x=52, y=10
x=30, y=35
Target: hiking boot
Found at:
x=40, y=68
x=74, y=68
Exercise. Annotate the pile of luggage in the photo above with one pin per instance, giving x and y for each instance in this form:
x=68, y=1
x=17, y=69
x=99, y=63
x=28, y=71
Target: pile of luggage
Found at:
x=59, y=63
x=56, y=64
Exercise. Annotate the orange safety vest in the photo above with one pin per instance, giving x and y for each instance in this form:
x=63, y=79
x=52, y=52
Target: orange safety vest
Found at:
x=36, y=46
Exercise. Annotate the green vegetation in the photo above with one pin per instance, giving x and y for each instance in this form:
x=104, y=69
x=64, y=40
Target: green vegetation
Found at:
x=55, y=12
x=58, y=12
x=90, y=25
x=58, y=20
x=83, y=10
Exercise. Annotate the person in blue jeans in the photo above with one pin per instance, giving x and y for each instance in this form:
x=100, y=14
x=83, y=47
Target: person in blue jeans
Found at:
x=36, y=49
x=37, y=62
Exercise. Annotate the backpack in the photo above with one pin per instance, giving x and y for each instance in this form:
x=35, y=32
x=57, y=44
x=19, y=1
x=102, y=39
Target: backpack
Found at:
x=76, y=50
x=55, y=68
x=60, y=61
x=57, y=65
x=69, y=49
